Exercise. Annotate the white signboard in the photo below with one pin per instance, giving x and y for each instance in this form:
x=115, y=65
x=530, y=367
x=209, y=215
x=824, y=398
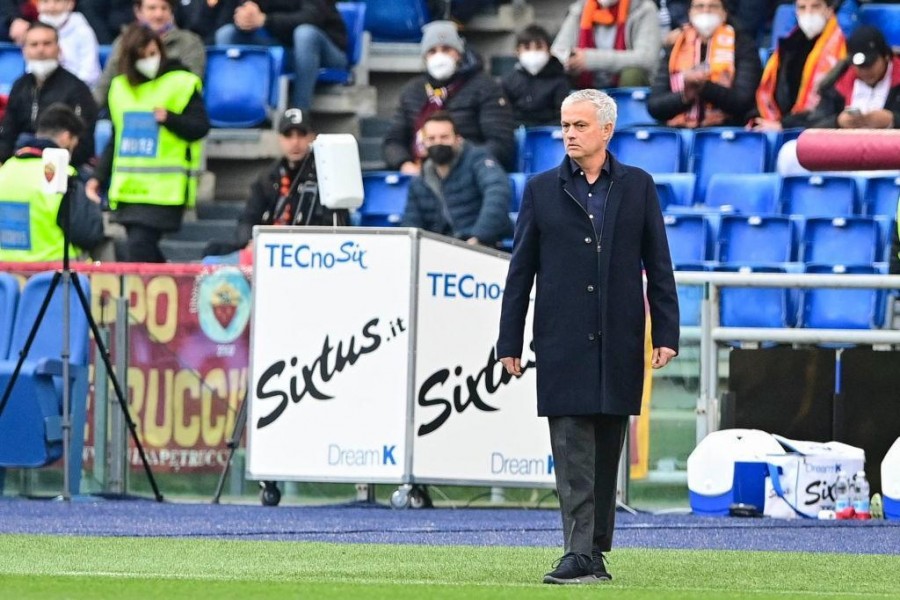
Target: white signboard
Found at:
x=330, y=353
x=473, y=423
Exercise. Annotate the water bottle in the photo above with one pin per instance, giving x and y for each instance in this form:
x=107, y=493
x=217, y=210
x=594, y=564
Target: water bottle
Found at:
x=861, y=496
x=842, y=503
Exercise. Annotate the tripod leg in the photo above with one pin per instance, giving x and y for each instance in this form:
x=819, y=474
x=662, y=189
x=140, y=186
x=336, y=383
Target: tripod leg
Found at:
x=239, y=424
x=120, y=394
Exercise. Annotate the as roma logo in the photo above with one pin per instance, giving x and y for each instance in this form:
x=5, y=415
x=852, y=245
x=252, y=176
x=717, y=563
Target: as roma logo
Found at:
x=49, y=171
x=223, y=304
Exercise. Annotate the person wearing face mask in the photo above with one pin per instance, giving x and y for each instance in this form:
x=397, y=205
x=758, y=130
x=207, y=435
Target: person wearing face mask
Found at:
x=44, y=83
x=462, y=192
x=610, y=43
x=184, y=46
x=538, y=84
x=77, y=41
x=151, y=164
x=789, y=91
x=454, y=81
x=709, y=76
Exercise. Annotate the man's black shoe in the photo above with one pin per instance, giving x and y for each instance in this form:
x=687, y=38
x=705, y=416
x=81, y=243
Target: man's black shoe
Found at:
x=598, y=566
x=572, y=569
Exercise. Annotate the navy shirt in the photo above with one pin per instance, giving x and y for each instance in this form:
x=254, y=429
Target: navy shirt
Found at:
x=592, y=196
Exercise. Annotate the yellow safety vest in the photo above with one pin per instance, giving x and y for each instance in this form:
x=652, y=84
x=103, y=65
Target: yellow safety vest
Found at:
x=152, y=165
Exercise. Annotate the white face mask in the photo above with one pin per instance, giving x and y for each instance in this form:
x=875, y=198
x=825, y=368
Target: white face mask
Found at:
x=440, y=66
x=812, y=24
x=148, y=67
x=41, y=68
x=706, y=23
x=607, y=3
x=54, y=20
x=534, y=60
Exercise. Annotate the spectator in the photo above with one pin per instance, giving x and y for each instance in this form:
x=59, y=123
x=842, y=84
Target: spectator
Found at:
x=709, y=76
x=462, y=191
x=453, y=81
x=180, y=45
x=46, y=83
x=538, y=85
x=151, y=163
x=608, y=43
x=312, y=29
x=107, y=17
x=15, y=17
x=40, y=235
x=789, y=90
x=77, y=41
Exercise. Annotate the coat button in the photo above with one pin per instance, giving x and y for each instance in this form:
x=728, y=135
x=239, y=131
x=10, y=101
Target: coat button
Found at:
x=591, y=337
x=590, y=288
x=587, y=240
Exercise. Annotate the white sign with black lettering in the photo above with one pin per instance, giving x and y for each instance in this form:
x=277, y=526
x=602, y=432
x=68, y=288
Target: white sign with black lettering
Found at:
x=329, y=359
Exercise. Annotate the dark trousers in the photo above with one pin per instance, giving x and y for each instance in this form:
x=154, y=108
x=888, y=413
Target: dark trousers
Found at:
x=586, y=454
x=142, y=244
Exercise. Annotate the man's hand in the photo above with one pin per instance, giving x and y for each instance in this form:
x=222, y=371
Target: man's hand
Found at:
x=92, y=190
x=661, y=357
x=248, y=16
x=472, y=241
x=410, y=168
x=577, y=62
x=160, y=115
x=17, y=30
x=760, y=124
x=512, y=364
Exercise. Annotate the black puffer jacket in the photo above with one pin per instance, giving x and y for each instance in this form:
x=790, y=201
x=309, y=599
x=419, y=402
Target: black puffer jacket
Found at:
x=536, y=99
x=283, y=16
x=478, y=107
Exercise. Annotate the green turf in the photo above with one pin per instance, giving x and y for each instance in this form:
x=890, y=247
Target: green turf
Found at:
x=81, y=567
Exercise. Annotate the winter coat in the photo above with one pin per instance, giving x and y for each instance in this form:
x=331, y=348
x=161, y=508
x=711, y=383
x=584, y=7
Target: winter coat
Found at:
x=284, y=16
x=535, y=99
x=837, y=90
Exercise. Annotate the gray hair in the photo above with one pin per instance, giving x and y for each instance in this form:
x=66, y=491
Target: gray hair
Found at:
x=605, y=105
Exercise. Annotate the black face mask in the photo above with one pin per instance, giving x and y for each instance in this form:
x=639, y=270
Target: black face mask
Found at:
x=441, y=154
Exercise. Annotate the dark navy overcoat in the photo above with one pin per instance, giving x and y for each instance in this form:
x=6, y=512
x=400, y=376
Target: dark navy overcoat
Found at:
x=589, y=315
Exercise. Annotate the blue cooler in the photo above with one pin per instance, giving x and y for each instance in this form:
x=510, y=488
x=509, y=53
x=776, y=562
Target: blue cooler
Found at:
x=890, y=482
x=728, y=467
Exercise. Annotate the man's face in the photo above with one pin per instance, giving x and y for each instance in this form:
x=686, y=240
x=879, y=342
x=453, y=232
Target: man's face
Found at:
x=40, y=44
x=450, y=50
x=156, y=14
x=55, y=7
x=295, y=144
x=715, y=7
x=804, y=7
x=873, y=73
x=534, y=45
x=436, y=133
x=583, y=134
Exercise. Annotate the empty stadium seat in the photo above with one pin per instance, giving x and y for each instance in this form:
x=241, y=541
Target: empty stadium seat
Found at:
x=830, y=308
x=783, y=22
x=354, y=15
x=687, y=236
x=230, y=101
x=755, y=306
x=517, y=186
x=666, y=194
x=819, y=195
x=542, y=148
x=654, y=149
x=842, y=241
x=753, y=194
x=885, y=17
x=396, y=21
x=9, y=300
x=12, y=66
x=682, y=185
x=881, y=196
x=756, y=240
x=631, y=106
x=103, y=54
x=690, y=298
x=385, y=198
x=726, y=151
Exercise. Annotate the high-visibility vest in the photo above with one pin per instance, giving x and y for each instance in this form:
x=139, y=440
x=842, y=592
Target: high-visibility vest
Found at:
x=28, y=229
x=152, y=165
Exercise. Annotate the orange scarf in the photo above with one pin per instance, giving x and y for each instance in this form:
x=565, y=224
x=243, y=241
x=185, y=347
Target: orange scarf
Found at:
x=594, y=14
x=686, y=54
x=826, y=53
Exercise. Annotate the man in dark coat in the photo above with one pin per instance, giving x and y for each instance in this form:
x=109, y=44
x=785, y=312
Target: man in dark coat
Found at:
x=584, y=231
x=539, y=83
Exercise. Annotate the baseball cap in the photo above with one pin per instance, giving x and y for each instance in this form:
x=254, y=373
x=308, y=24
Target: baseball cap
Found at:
x=293, y=118
x=441, y=33
x=866, y=44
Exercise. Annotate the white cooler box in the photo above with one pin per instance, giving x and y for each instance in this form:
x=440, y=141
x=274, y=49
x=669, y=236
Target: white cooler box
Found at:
x=890, y=482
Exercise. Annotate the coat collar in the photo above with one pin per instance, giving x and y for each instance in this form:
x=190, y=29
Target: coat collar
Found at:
x=616, y=169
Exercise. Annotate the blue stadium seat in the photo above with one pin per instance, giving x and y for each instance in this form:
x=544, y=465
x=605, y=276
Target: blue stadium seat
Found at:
x=682, y=185
x=755, y=306
x=230, y=101
x=842, y=241
x=754, y=194
x=777, y=139
x=819, y=195
x=690, y=298
x=354, y=15
x=542, y=148
x=517, y=183
x=726, y=151
x=783, y=22
x=12, y=66
x=687, y=236
x=9, y=300
x=654, y=149
x=666, y=194
x=632, y=106
x=756, y=240
x=397, y=21
x=885, y=17
x=384, y=201
x=102, y=134
x=103, y=54
x=881, y=196
x=829, y=308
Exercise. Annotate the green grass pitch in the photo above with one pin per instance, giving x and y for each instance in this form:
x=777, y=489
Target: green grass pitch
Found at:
x=89, y=568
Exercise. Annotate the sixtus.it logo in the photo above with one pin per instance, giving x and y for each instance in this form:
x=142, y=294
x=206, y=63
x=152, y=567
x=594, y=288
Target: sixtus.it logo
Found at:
x=222, y=303
x=307, y=256
x=309, y=380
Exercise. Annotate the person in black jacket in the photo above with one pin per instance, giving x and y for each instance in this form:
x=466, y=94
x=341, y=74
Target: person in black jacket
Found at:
x=709, y=76
x=454, y=81
x=44, y=84
x=539, y=83
x=313, y=29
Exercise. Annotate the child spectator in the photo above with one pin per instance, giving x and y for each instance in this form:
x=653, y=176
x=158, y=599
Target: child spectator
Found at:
x=77, y=41
x=538, y=85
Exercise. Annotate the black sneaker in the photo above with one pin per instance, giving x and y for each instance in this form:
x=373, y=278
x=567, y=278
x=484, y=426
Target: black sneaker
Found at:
x=571, y=569
x=598, y=565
